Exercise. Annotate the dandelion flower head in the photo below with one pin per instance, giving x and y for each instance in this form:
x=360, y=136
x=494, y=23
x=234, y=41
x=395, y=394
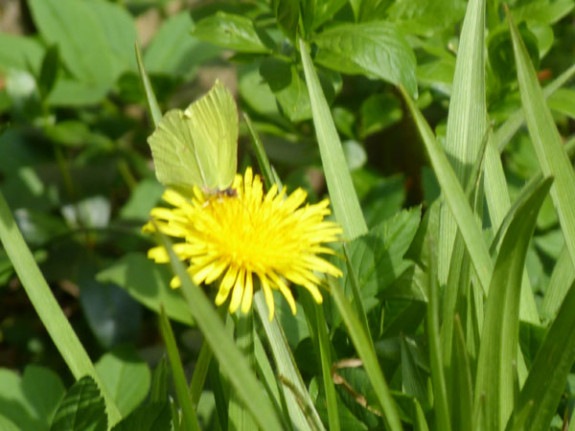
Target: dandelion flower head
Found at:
x=244, y=235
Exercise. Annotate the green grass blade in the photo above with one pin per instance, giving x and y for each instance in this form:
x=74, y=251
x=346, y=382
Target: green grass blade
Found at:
x=189, y=417
x=551, y=154
x=546, y=380
x=231, y=361
x=153, y=107
x=467, y=118
x=318, y=330
x=47, y=307
x=440, y=401
x=341, y=190
x=498, y=204
x=238, y=416
x=462, y=407
x=261, y=156
x=366, y=351
x=506, y=131
x=200, y=372
x=455, y=197
x=562, y=278
x=300, y=416
x=498, y=351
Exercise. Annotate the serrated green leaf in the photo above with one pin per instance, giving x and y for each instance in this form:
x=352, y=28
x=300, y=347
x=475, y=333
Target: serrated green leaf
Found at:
x=230, y=31
x=82, y=408
x=377, y=257
x=198, y=146
x=376, y=49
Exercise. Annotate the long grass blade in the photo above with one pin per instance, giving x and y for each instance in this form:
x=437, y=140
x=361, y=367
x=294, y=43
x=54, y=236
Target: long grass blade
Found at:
x=47, y=307
x=189, y=417
x=364, y=347
x=153, y=107
x=455, y=198
x=498, y=351
x=467, y=118
x=546, y=380
x=300, y=415
x=551, y=154
x=341, y=190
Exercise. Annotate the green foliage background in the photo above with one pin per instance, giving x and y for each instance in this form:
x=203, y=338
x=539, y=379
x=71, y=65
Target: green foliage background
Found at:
x=446, y=164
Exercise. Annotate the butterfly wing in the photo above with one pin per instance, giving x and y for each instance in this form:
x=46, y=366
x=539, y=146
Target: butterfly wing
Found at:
x=198, y=146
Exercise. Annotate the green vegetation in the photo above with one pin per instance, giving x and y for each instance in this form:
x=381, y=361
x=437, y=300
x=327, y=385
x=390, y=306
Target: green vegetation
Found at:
x=441, y=130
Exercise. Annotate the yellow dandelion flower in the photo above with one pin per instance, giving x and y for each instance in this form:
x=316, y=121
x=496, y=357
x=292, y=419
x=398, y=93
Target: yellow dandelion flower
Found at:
x=236, y=235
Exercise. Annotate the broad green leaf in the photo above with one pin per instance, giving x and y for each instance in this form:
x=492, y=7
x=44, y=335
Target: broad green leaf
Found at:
x=343, y=195
x=119, y=29
x=143, y=197
x=231, y=362
x=547, y=12
x=377, y=257
x=148, y=283
x=545, y=383
x=147, y=417
x=287, y=14
x=82, y=408
x=230, y=31
x=376, y=49
x=81, y=38
x=111, y=313
x=289, y=88
x=71, y=93
x=551, y=154
x=127, y=377
x=173, y=51
x=30, y=401
x=198, y=146
x=19, y=52
x=563, y=102
x=499, y=340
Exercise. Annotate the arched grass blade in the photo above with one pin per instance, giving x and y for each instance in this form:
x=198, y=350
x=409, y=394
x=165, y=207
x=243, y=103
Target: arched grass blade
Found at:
x=499, y=340
x=47, y=307
x=341, y=190
x=549, y=149
x=366, y=351
x=455, y=198
x=153, y=107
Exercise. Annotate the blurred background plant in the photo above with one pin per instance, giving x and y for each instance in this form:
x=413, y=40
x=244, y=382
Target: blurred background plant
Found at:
x=75, y=166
